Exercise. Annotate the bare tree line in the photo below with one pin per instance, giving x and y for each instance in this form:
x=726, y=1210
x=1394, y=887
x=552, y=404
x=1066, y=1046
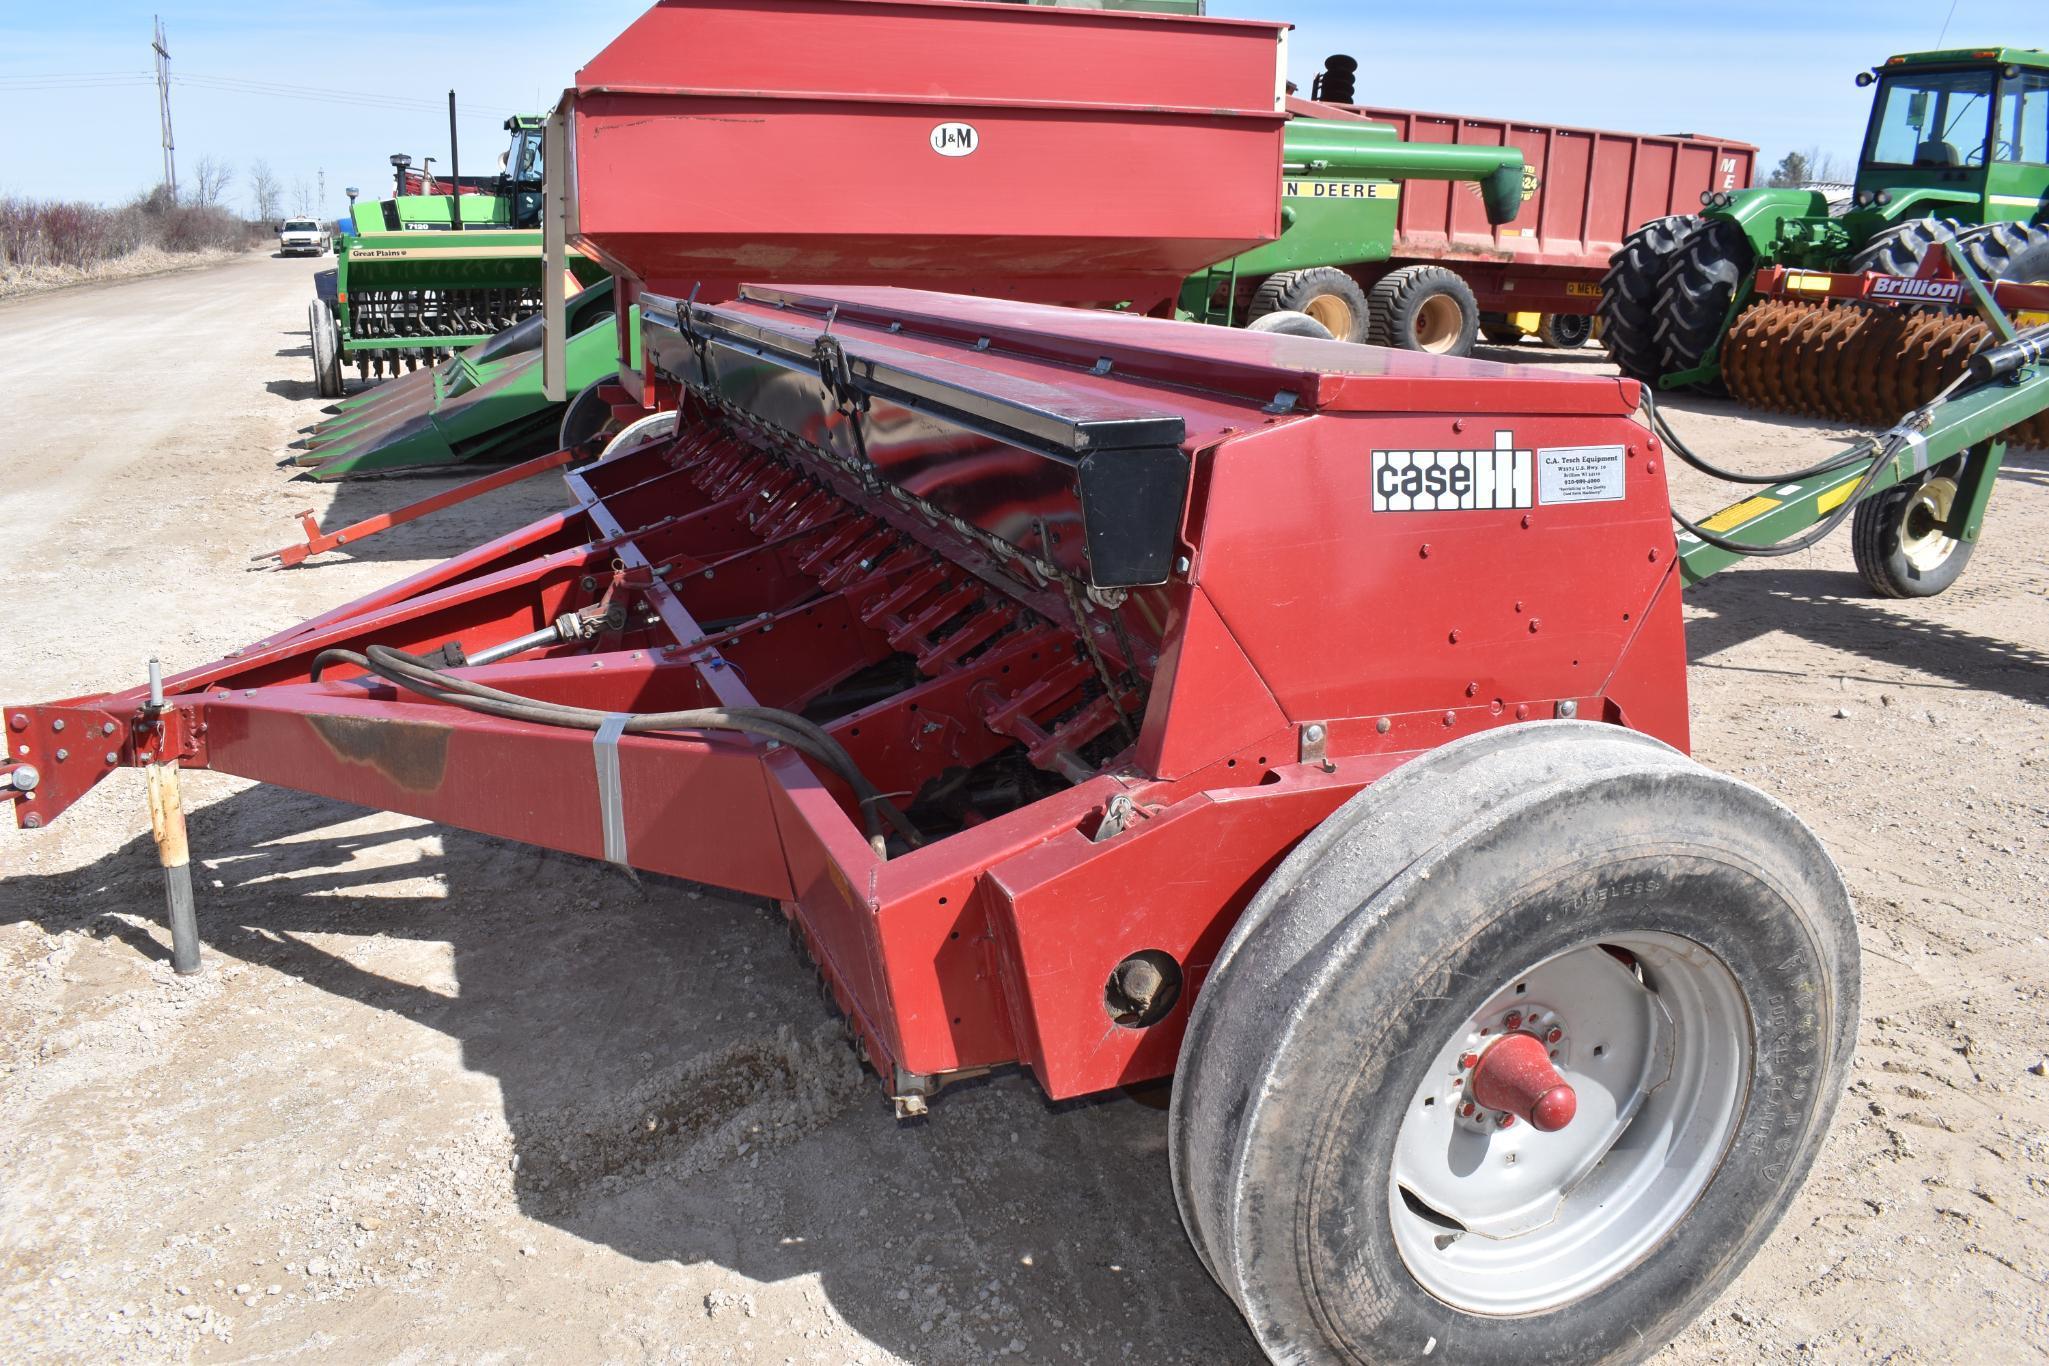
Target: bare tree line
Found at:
x=212, y=176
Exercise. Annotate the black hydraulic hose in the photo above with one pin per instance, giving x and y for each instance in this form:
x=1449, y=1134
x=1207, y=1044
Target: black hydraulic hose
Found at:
x=1814, y=534
x=1841, y=460
x=806, y=737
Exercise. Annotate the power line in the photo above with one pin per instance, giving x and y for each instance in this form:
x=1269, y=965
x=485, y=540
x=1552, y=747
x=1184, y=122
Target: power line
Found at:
x=242, y=86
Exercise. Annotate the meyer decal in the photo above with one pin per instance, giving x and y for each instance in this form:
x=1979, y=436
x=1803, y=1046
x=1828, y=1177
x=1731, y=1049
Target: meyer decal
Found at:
x=1921, y=291
x=1452, y=481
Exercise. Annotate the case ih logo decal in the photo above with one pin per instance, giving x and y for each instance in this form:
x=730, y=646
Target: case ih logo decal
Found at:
x=1919, y=291
x=1449, y=481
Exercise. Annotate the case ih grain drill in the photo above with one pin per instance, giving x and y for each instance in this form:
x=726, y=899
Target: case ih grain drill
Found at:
x=1112, y=696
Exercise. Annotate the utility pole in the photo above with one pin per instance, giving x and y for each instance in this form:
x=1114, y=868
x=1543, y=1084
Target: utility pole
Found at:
x=323, y=185
x=162, y=49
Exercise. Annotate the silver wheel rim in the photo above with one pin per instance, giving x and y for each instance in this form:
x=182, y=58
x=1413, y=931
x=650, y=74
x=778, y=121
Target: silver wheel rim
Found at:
x=1506, y=1220
x=643, y=431
x=1923, y=540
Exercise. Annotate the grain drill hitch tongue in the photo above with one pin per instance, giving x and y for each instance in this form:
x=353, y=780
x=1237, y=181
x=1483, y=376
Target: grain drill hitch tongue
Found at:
x=1117, y=697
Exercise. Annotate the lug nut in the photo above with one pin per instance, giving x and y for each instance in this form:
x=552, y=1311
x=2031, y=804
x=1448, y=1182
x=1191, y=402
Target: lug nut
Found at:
x=18, y=721
x=57, y=724
x=1514, y=1020
x=1554, y=1034
x=1504, y=1122
x=1467, y=1109
x=106, y=728
x=1466, y=1061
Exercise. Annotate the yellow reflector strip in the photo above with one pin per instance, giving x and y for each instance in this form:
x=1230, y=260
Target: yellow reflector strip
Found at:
x=1729, y=518
x=1835, y=497
x=1802, y=280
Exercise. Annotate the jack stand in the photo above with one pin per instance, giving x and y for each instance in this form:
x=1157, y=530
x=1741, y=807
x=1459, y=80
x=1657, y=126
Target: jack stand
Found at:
x=167, y=825
x=167, y=828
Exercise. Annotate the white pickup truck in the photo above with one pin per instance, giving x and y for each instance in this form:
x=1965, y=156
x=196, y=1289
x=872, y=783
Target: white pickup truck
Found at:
x=308, y=235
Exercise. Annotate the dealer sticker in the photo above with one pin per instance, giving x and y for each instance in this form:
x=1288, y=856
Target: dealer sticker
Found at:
x=1580, y=474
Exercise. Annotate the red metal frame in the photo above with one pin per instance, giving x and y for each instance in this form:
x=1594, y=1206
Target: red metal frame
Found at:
x=1307, y=647
x=1934, y=284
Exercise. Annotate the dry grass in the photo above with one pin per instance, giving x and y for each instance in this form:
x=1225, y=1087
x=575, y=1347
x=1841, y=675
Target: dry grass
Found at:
x=47, y=244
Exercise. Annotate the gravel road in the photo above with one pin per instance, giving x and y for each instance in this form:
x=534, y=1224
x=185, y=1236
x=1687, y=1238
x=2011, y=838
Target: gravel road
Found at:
x=441, y=1098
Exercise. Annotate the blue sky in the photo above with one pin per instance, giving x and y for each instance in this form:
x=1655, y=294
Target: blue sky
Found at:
x=1777, y=74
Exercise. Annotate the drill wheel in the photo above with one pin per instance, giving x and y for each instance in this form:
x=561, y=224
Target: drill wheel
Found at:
x=1488, y=979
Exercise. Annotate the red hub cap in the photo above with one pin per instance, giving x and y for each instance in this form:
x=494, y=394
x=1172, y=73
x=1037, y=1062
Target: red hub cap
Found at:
x=1515, y=1075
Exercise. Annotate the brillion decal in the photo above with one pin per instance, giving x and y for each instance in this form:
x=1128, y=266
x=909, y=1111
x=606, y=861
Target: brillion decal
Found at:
x=1453, y=481
x=1920, y=291
x=955, y=139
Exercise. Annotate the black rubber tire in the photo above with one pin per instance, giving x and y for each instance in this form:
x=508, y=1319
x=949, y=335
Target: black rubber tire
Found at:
x=1288, y=323
x=1693, y=298
x=324, y=341
x=1323, y=292
x=1566, y=330
x=1382, y=931
x=1629, y=292
x=1877, y=531
x=583, y=418
x=2008, y=251
x=1901, y=248
x=1400, y=298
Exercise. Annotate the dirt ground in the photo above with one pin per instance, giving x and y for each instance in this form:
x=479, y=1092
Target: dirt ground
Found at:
x=442, y=1098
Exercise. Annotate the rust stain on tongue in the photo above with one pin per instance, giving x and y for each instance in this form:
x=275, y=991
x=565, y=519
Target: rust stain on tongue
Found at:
x=413, y=754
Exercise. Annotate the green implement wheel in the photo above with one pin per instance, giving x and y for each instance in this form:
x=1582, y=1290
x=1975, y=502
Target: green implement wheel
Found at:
x=324, y=340
x=1902, y=541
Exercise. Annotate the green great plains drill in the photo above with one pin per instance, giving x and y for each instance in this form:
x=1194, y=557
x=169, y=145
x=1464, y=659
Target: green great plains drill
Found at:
x=427, y=275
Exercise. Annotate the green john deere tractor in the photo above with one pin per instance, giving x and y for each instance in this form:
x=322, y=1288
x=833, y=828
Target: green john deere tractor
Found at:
x=1957, y=148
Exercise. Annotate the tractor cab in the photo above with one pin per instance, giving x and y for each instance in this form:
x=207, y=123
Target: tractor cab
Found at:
x=1959, y=134
x=524, y=178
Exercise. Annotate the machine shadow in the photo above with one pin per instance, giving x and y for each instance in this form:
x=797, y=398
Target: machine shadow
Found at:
x=676, y=1091
x=1834, y=610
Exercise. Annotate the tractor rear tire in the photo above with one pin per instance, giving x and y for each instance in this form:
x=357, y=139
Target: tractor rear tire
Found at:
x=1629, y=293
x=1899, y=542
x=325, y=342
x=1567, y=331
x=1901, y=248
x=1288, y=323
x=583, y=417
x=1693, y=297
x=1325, y=293
x=1424, y=308
x=2008, y=251
x=1689, y=940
